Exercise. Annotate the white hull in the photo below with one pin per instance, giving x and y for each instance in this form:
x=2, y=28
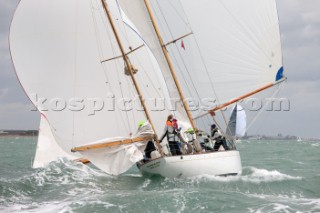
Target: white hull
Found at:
x=214, y=163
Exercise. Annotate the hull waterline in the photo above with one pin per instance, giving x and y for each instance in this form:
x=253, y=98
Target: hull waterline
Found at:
x=214, y=163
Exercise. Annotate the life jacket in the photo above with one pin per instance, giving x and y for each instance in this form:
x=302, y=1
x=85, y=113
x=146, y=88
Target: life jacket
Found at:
x=171, y=134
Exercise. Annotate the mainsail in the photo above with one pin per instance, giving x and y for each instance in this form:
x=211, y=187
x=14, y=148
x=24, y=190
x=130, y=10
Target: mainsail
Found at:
x=68, y=61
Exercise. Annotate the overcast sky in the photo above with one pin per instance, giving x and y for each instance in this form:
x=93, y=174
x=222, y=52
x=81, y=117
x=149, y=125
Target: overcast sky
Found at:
x=300, y=34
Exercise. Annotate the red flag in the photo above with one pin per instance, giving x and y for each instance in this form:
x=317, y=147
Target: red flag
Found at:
x=182, y=45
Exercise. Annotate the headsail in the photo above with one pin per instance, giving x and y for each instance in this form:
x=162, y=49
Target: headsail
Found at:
x=65, y=53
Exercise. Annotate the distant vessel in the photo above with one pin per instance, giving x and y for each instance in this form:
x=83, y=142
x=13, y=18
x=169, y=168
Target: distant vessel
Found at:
x=237, y=124
x=90, y=53
x=299, y=139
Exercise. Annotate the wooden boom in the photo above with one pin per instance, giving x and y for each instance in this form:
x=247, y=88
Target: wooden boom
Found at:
x=211, y=111
x=110, y=144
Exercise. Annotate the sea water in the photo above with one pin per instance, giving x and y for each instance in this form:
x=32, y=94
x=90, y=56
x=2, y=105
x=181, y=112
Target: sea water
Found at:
x=277, y=176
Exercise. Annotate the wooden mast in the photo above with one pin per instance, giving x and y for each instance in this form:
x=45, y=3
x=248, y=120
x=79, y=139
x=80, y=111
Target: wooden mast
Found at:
x=130, y=68
x=163, y=46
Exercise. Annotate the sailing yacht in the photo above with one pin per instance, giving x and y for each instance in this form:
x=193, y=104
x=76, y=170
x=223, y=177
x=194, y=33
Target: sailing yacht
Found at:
x=237, y=124
x=83, y=62
x=230, y=51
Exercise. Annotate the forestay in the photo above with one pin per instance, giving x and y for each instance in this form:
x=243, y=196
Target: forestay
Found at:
x=58, y=47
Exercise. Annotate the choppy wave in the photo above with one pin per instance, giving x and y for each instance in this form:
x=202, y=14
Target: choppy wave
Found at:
x=290, y=185
x=285, y=203
x=252, y=175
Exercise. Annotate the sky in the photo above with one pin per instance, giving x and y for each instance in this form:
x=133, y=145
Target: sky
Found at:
x=300, y=36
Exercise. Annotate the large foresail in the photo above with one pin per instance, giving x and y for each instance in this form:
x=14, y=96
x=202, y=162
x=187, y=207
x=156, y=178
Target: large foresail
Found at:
x=69, y=63
x=137, y=12
x=224, y=51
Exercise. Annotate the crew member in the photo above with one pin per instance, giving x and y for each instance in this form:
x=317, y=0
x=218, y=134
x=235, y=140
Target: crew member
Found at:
x=171, y=131
x=218, y=137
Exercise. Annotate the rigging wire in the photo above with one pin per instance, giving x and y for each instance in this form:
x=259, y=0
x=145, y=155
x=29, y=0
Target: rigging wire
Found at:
x=75, y=68
x=275, y=93
x=188, y=87
x=99, y=46
x=173, y=55
x=205, y=65
x=200, y=53
x=164, y=38
x=116, y=63
x=125, y=30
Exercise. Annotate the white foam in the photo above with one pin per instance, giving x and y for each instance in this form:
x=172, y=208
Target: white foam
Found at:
x=255, y=176
x=282, y=202
x=55, y=206
x=43, y=208
x=263, y=175
x=145, y=184
x=273, y=208
x=132, y=175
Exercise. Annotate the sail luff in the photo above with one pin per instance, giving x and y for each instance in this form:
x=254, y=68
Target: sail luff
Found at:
x=163, y=46
x=129, y=66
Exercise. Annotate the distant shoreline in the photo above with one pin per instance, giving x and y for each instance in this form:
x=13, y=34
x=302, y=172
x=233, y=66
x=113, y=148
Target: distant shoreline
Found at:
x=19, y=136
x=18, y=133
x=35, y=133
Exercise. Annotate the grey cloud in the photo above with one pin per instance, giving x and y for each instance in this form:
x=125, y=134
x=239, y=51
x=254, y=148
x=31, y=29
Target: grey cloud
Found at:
x=300, y=29
x=18, y=116
x=3, y=92
x=6, y=12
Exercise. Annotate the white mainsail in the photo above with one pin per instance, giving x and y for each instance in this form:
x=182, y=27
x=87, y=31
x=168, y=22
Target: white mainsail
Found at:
x=234, y=48
x=58, y=48
x=47, y=148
